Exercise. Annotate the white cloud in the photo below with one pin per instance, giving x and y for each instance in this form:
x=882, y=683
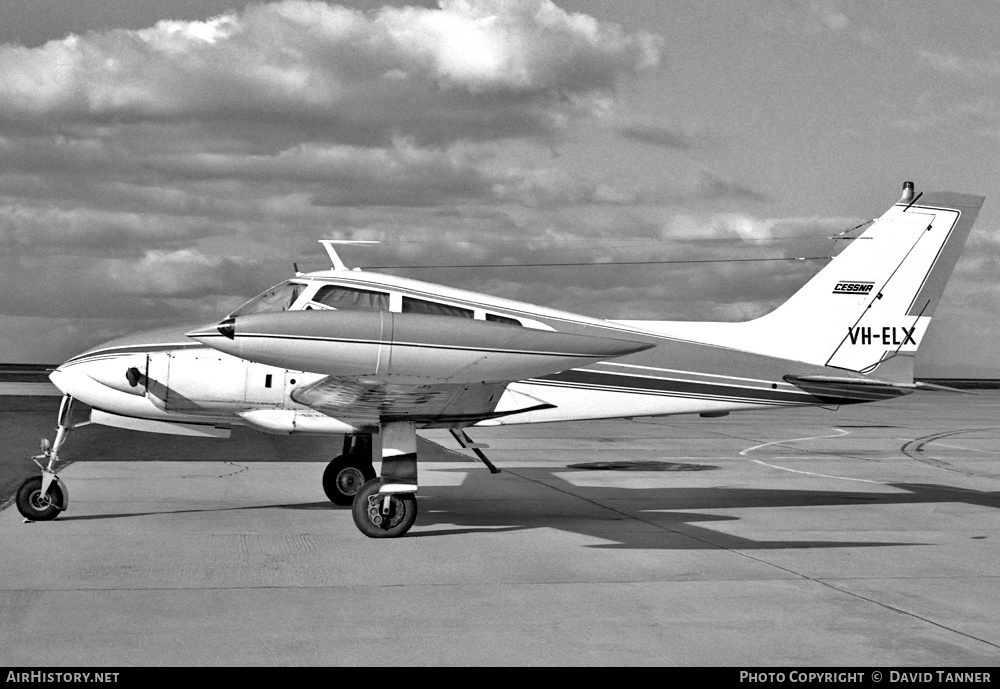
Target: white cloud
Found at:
x=162, y=273
x=748, y=228
x=952, y=64
x=290, y=117
x=490, y=68
x=978, y=117
x=844, y=18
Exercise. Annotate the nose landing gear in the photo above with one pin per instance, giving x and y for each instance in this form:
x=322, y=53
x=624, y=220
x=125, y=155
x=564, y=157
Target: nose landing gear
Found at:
x=42, y=498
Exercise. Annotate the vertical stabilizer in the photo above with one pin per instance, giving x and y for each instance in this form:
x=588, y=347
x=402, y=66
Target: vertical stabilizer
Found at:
x=870, y=305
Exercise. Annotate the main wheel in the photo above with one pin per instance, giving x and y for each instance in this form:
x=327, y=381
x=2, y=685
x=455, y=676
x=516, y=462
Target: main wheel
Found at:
x=377, y=517
x=344, y=476
x=32, y=505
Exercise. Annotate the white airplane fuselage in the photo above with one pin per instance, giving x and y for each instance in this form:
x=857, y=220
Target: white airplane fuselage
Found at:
x=205, y=390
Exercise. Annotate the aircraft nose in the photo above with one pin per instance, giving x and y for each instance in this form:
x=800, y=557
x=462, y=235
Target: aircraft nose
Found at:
x=123, y=373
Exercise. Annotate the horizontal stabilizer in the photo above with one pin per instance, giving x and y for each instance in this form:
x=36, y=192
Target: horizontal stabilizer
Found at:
x=843, y=380
x=870, y=382
x=844, y=388
x=935, y=387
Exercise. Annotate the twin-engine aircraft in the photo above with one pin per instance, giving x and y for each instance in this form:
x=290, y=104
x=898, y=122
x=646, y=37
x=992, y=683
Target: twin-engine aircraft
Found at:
x=376, y=357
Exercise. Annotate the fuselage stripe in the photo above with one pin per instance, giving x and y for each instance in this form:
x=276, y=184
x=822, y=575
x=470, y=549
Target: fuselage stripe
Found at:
x=132, y=349
x=667, y=393
x=595, y=380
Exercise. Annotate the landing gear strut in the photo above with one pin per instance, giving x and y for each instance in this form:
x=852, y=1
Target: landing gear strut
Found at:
x=345, y=475
x=42, y=498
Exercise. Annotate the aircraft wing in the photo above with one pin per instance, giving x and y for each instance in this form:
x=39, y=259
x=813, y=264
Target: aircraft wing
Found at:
x=366, y=402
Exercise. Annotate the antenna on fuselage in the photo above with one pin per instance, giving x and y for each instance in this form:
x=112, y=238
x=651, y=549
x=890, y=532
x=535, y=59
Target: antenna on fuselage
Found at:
x=335, y=259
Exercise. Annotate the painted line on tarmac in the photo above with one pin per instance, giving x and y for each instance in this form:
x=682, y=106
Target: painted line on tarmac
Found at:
x=813, y=473
x=840, y=433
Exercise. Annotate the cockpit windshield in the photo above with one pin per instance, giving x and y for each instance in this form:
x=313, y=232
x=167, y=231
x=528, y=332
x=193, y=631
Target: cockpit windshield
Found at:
x=278, y=298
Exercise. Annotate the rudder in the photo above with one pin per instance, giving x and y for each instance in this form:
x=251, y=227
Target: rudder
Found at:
x=908, y=279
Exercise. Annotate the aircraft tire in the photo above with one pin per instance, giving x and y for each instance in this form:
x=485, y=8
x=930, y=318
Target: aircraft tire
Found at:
x=368, y=516
x=31, y=505
x=343, y=478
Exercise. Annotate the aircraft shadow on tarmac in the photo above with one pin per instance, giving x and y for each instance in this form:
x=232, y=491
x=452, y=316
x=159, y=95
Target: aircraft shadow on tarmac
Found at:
x=670, y=515
x=673, y=515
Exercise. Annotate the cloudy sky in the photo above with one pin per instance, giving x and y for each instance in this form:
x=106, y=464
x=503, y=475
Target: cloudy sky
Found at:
x=162, y=161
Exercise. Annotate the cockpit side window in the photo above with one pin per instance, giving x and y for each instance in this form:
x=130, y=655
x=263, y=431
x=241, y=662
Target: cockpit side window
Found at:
x=350, y=299
x=411, y=305
x=278, y=298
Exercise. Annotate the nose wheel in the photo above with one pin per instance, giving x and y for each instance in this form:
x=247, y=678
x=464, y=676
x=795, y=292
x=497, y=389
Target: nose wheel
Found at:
x=36, y=506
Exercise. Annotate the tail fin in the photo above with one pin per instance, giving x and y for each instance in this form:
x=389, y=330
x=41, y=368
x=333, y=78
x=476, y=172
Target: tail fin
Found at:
x=870, y=306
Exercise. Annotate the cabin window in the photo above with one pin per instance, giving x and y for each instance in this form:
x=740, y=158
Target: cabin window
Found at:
x=350, y=299
x=411, y=305
x=278, y=298
x=502, y=319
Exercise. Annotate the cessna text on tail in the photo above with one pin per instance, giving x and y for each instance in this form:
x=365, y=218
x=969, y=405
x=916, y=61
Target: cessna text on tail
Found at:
x=375, y=357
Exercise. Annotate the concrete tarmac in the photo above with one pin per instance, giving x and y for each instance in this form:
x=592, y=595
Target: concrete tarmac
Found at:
x=868, y=536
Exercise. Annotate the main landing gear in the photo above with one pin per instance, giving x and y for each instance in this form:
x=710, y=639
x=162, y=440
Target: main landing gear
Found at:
x=42, y=498
x=345, y=475
x=384, y=507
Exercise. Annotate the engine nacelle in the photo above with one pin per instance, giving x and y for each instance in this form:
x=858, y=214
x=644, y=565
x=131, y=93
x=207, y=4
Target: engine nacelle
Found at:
x=406, y=347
